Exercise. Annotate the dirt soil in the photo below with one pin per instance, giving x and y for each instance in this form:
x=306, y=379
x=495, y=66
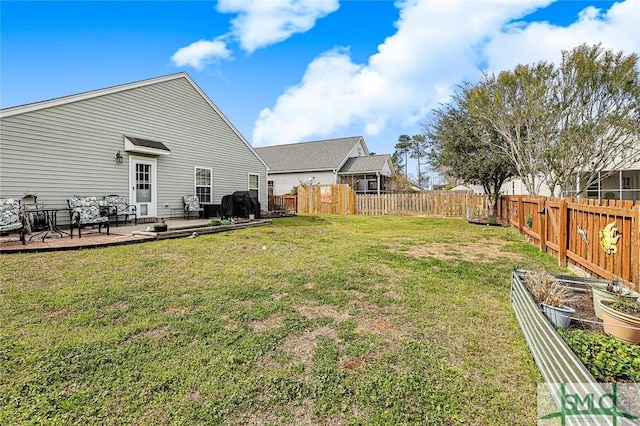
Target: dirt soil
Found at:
x=585, y=317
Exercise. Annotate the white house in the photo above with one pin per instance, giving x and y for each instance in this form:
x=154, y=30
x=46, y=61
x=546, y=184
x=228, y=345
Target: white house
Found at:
x=343, y=160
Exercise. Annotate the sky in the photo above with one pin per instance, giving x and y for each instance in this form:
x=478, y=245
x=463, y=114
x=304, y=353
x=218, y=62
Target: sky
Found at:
x=286, y=71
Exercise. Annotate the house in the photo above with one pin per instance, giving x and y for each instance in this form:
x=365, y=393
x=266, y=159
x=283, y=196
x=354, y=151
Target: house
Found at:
x=476, y=189
x=152, y=141
x=618, y=185
x=342, y=160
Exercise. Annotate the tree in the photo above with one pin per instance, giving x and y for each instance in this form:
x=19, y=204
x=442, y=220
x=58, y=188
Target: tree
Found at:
x=598, y=116
x=518, y=106
x=417, y=150
x=582, y=117
x=468, y=148
x=398, y=163
x=403, y=147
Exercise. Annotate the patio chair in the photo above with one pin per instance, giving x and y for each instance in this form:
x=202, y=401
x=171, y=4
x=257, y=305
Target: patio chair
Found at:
x=86, y=211
x=11, y=217
x=118, y=207
x=191, y=205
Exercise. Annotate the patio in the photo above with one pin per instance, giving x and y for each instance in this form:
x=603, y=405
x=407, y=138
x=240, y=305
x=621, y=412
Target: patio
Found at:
x=123, y=234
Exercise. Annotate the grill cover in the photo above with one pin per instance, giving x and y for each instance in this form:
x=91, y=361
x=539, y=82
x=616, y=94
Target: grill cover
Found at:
x=240, y=204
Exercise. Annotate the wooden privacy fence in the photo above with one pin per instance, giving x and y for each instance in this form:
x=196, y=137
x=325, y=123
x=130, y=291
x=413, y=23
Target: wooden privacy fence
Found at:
x=431, y=203
x=326, y=199
x=572, y=230
x=283, y=203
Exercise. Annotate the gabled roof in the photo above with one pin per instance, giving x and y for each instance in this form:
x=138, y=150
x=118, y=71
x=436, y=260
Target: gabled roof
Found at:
x=307, y=156
x=21, y=109
x=368, y=164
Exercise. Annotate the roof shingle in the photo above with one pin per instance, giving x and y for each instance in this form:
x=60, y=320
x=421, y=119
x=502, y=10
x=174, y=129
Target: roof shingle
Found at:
x=317, y=155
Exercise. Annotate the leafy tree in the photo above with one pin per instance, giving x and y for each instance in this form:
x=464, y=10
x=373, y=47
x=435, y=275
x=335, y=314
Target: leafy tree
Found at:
x=598, y=116
x=398, y=163
x=468, y=148
x=403, y=147
x=581, y=117
x=518, y=106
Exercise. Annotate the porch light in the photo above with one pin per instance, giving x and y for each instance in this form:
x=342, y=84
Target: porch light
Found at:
x=118, y=157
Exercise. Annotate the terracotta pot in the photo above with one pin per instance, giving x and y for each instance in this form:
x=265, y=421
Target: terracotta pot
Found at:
x=623, y=326
x=599, y=291
x=560, y=317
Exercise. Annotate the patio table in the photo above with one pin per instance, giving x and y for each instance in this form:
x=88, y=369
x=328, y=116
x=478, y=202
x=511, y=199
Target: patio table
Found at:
x=52, y=223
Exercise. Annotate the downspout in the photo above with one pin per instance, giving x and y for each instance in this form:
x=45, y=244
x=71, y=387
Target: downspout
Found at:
x=378, y=179
x=599, y=188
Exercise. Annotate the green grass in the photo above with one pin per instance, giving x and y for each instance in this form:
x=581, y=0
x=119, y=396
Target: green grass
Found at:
x=341, y=320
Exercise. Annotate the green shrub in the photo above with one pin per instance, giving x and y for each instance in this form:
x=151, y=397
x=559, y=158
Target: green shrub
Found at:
x=607, y=358
x=529, y=220
x=215, y=221
x=493, y=220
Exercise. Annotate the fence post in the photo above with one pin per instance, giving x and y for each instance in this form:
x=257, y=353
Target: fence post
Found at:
x=635, y=278
x=563, y=233
x=542, y=222
x=520, y=215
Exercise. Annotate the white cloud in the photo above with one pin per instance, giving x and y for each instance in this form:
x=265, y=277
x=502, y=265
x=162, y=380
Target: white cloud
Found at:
x=261, y=23
x=438, y=45
x=200, y=53
x=616, y=28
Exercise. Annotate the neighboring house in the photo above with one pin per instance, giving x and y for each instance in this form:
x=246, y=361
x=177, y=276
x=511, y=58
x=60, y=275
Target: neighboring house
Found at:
x=343, y=160
x=621, y=185
x=476, y=189
x=152, y=141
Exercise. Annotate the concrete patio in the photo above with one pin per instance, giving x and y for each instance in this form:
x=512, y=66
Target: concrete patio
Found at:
x=120, y=235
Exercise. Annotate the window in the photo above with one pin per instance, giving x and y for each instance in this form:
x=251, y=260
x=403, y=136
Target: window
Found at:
x=270, y=184
x=372, y=185
x=204, y=188
x=626, y=182
x=254, y=184
x=593, y=190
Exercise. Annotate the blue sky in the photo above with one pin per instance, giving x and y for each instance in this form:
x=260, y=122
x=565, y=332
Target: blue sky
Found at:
x=296, y=70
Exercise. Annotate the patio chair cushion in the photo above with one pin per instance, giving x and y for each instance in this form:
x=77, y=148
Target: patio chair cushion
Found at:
x=191, y=203
x=120, y=204
x=88, y=209
x=10, y=214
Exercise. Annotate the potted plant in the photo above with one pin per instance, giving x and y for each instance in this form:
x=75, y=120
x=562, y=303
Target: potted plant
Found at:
x=613, y=290
x=621, y=318
x=160, y=227
x=553, y=297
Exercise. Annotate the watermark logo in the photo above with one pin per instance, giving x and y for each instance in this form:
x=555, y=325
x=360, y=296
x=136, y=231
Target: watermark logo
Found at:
x=588, y=404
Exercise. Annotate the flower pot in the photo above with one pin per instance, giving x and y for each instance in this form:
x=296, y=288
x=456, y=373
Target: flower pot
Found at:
x=560, y=317
x=623, y=326
x=599, y=291
x=252, y=216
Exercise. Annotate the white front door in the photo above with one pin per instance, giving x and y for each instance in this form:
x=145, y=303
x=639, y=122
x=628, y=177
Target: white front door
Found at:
x=142, y=184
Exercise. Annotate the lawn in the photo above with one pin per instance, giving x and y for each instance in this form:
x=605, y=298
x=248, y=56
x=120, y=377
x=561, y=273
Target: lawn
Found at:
x=313, y=320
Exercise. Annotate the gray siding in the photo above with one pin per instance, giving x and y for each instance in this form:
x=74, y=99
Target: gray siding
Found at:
x=284, y=182
x=69, y=149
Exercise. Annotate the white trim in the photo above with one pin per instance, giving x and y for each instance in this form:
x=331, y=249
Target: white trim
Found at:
x=195, y=184
x=153, y=204
x=21, y=109
x=249, y=182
